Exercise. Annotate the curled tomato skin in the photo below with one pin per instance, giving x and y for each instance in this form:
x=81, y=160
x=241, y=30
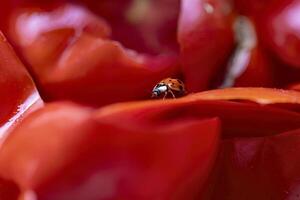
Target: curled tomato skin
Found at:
x=206, y=40
x=85, y=153
x=166, y=149
x=231, y=144
x=154, y=29
x=81, y=62
x=258, y=95
x=18, y=98
x=244, y=112
x=18, y=94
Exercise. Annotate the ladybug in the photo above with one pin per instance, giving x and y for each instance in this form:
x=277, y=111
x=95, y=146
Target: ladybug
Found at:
x=169, y=86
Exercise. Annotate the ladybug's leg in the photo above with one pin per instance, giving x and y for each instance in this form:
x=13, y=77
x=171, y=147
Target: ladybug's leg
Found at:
x=172, y=94
x=165, y=95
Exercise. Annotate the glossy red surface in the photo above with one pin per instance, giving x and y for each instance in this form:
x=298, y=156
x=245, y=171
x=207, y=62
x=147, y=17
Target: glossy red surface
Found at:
x=17, y=91
x=279, y=30
x=81, y=63
x=239, y=117
x=231, y=143
x=160, y=162
x=153, y=153
x=206, y=39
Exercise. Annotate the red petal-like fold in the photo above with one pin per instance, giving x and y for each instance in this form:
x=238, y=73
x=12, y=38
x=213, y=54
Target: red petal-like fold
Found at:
x=150, y=149
x=239, y=119
x=206, y=40
x=145, y=26
x=64, y=152
x=17, y=90
x=80, y=62
x=258, y=95
x=101, y=52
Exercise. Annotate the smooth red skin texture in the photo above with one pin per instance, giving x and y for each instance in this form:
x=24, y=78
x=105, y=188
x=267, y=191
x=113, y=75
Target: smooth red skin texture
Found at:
x=153, y=24
x=104, y=72
x=206, y=41
x=260, y=168
x=64, y=152
x=18, y=94
x=279, y=30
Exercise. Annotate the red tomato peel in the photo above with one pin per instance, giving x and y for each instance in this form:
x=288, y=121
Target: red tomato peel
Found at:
x=133, y=162
x=18, y=94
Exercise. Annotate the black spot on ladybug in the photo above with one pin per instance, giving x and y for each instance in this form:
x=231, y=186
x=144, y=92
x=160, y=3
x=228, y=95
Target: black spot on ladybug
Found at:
x=180, y=87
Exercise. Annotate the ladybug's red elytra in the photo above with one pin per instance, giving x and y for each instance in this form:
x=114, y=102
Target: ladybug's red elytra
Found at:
x=169, y=86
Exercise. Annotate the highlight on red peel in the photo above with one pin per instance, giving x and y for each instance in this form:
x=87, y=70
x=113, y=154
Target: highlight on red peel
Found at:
x=258, y=95
x=18, y=94
x=81, y=62
x=133, y=162
x=249, y=65
x=259, y=71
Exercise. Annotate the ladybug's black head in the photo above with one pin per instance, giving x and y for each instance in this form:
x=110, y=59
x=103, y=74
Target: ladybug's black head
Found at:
x=158, y=89
x=155, y=93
